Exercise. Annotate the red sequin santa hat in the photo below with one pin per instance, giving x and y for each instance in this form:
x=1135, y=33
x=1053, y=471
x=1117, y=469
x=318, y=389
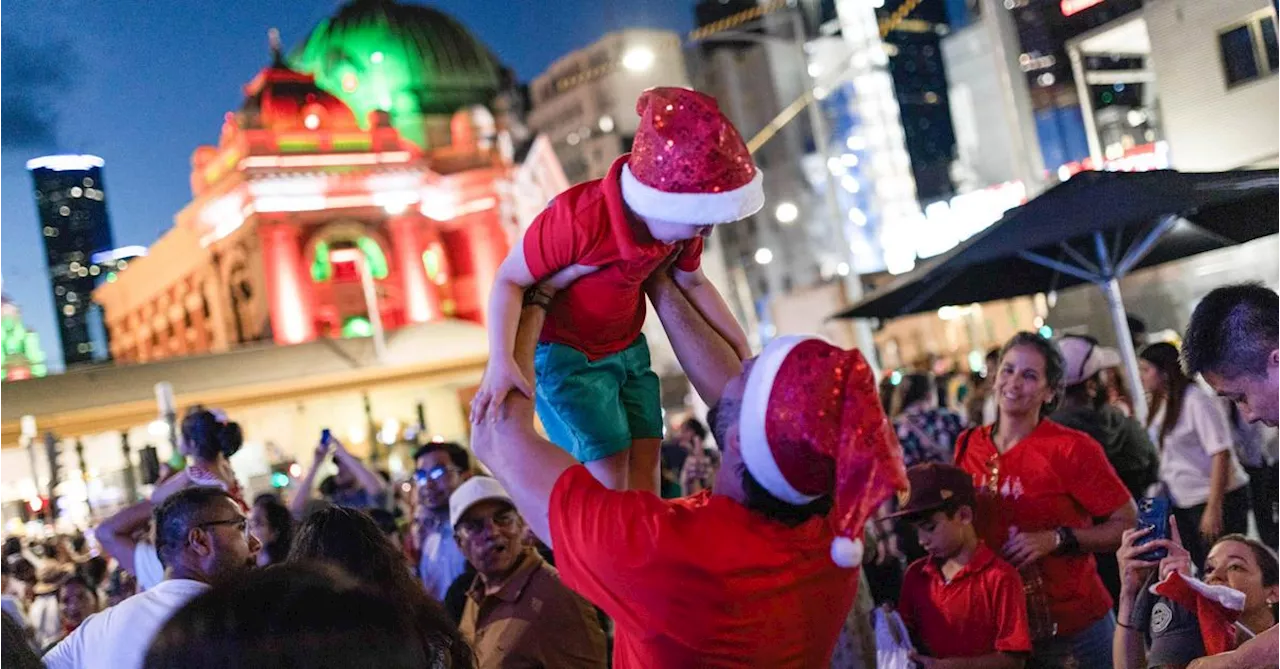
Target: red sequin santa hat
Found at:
x=688, y=163
x=811, y=425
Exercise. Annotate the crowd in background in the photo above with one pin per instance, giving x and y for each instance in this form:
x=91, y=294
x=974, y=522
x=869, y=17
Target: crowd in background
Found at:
x=1027, y=476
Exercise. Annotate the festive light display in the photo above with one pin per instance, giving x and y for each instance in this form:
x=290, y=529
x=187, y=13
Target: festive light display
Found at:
x=20, y=354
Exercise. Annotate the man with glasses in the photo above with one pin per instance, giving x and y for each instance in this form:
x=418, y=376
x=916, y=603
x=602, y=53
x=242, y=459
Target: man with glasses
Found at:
x=517, y=611
x=441, y=468
x=201, y=538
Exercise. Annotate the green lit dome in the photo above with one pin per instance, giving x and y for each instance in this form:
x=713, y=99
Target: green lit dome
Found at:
x=409, y=60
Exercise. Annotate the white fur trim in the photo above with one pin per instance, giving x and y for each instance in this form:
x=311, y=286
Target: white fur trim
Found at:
x=1228, y=597
x=846, y=552
x=693, y=208
x=753, y=441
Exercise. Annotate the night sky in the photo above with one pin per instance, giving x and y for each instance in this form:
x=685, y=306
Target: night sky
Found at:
x=141, y=84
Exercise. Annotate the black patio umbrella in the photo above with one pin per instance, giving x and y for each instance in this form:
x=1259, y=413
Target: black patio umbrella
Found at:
x=1095, y=228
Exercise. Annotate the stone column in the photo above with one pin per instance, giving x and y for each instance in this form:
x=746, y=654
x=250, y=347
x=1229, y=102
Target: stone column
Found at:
x=288, y=287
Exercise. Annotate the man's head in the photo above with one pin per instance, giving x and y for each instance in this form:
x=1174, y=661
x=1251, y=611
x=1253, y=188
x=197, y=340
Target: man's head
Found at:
x=940, y=505
x=201, y=533
x=487, y=527
x=692, y=433
x=441, y=468
x=802, y=432
x=1232, y=342
x=77, y=600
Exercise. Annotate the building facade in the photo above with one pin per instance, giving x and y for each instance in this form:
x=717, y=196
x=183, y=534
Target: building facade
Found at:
x=585, y=101
x=309, y=222
x=72, y=208
x=21, y=356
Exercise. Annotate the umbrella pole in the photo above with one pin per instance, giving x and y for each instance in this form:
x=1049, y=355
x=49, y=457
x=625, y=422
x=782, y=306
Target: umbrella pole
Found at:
x=1120, y=319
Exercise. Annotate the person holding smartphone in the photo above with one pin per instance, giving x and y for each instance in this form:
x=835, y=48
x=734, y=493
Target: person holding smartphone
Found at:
x=354, y=485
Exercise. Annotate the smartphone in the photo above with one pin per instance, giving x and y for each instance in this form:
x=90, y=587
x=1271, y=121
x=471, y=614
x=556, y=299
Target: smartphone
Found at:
x=1153, y=512
x=325, y=436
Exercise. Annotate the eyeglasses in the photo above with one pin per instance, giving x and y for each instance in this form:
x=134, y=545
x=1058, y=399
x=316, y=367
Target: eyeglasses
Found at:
x=241, y=524
x=422, y=476
x=474, y=526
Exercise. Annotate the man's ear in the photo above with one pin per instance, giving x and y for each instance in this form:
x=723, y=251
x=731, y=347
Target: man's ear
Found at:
x=201, y=541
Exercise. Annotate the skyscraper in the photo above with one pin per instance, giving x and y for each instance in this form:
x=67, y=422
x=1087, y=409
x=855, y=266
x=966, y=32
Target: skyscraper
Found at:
x=72, y=207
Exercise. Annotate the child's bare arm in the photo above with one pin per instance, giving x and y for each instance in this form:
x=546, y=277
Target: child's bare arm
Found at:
x=502, y=374
x=703, y=294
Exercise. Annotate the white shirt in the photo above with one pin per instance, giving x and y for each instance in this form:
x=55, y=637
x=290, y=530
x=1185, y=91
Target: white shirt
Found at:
x=1186, y=457
x=146, y=565
x=118, y=637
x=442, y=561
x=45, y=619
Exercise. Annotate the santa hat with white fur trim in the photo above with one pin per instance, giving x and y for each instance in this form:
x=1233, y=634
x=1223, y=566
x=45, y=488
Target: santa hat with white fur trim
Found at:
x=688, y=164
x=811, y=425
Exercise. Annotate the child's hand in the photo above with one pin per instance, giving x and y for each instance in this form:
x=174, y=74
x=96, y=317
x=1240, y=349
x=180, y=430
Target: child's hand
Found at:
x=500, y=378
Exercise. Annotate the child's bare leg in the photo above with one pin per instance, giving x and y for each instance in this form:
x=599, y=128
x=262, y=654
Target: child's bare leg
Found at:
x=612, y=470
x=644, y=470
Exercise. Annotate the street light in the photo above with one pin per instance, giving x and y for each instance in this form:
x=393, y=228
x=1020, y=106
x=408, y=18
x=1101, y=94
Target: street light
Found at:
x=638, y=59
x=787, y=212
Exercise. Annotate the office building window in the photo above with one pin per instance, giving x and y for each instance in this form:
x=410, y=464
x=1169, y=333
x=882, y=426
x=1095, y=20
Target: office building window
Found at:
x=1249, y=49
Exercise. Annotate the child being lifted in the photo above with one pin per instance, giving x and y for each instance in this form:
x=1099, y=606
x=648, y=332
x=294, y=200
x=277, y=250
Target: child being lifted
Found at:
x=688, y=171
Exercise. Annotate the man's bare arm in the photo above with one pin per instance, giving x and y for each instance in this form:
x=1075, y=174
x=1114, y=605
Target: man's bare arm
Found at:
x=706, y=357
x=527, y=465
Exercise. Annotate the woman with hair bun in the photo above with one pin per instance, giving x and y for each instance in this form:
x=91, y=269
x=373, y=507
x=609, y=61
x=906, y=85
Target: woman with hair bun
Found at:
x=208, y=441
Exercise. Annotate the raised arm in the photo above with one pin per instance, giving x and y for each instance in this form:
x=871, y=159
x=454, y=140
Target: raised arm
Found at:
x=302, y=494
x=116, y=534
x=372, y=483
x=706, y=356
x=707, y=299
x=507, y=443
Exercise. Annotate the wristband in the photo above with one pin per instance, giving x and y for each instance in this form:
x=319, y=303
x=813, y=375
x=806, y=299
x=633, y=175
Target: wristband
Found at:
x=536, y=298
x=1067, y=541
x=1128, y=627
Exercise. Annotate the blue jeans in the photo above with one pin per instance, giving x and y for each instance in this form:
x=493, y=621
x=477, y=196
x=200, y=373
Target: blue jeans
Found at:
x=1087, y=649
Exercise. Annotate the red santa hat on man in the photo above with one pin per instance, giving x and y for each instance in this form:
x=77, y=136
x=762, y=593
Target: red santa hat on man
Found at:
x=688, y=163
x=811, y=425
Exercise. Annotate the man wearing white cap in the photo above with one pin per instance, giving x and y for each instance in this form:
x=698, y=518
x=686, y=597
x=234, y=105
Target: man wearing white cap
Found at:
x=517, y=613
x=762, y=571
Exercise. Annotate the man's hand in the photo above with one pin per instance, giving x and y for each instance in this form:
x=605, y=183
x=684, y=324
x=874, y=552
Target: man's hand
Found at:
x=500, y=378
x=322, y=451
x=1024, y=548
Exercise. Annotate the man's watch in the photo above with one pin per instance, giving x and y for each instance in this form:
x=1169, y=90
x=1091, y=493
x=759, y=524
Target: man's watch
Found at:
x=534, y=297
x=1065, y=541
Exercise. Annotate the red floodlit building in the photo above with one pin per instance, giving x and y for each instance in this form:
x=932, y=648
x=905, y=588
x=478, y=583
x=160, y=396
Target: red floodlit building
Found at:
x=309, y=222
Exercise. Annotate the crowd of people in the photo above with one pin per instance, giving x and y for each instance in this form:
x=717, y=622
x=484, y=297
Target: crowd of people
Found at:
x=1001, y=526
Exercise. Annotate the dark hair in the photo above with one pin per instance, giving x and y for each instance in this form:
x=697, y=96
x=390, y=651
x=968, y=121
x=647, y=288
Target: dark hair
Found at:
x=1262, y=553
x=696, y=427
x=295, y=616
x=385, y=520
x=281, y=523
x=1054, y=367
x=1164, y=357
x=15, y=652
x=1137, y=326
x=351, y=540
x=725, y=412
x=78, y=579
x=94, y=570
x=1233, y=331
x=208, y=435
x=912, y=388
x=173, y=519
x=457, y=454
x=12, y=546
x=1078, y=394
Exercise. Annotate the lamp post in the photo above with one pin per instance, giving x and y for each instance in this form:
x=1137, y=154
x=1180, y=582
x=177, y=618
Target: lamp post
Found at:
x=168, y=411
x=29, y=433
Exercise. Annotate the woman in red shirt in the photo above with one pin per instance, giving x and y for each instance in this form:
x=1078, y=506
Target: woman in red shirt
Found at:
x=1042, y=486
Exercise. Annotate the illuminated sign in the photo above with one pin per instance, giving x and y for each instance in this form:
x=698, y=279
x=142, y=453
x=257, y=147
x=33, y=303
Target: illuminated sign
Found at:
x=64, y=162
x=1070, y=7
x=947, y=223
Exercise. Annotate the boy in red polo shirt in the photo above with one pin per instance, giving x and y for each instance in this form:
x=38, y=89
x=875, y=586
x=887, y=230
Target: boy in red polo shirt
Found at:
x=688, y=171
x=963, y=605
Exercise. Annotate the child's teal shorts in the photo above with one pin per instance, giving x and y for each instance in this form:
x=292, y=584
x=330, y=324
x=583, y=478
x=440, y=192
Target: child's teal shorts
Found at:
x=595, y=408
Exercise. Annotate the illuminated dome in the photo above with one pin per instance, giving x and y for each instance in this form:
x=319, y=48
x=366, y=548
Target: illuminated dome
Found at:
x=409, y=60
x=282, y=99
